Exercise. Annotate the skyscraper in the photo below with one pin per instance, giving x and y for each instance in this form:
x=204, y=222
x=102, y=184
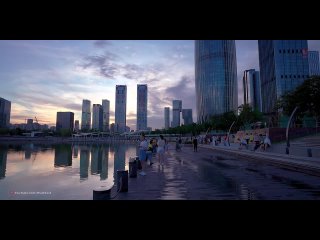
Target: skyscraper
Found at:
x=76, y=126
x=106, y=114
x=121, y=109
x=176, y=109
x=5, y=110
x=86, y=115
x=283, y=66
x=142, y=106
x=252, y=89
x=166, y=117
x=65, y=121
x=187, y=116
x=314, y=68
x=97, y=117
x=215, y=77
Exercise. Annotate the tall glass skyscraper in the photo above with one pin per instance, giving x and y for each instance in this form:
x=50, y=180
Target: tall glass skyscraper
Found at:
x=314, y=68
x=106, y=114
x=166, y=117
x=187, y=116
x=97, y=117
x=176, y=110
x=215, y=77
x=283, y=66
x=142, y=107
x=86, y=115
x=121, y=108
x=252, y=89
x=5, y=110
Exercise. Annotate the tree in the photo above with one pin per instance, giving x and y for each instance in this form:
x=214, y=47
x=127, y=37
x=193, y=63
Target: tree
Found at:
x=248, y=115
x=306, y=97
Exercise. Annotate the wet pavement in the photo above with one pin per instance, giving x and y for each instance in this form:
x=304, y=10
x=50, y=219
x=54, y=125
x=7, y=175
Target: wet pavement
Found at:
x=212, y=175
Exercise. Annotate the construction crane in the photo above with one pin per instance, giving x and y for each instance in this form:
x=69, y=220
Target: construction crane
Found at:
x=37, y=126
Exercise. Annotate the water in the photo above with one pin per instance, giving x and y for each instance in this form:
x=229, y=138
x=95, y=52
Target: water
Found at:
x=59, y=171
x=66, y=171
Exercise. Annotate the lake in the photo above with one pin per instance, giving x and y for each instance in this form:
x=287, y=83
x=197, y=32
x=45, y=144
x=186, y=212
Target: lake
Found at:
x=60, y=171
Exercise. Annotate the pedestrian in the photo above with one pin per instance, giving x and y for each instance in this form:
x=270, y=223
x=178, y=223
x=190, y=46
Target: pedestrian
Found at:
x=143, y=147
x=160, y=150
x=266, y=142
x=149, y=152
x=195, y=144
x=257, y=141
x=247, y=138
x=251, y=138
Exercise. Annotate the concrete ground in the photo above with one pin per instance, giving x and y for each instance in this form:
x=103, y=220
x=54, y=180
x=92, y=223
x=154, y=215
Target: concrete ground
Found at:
x=221, y=173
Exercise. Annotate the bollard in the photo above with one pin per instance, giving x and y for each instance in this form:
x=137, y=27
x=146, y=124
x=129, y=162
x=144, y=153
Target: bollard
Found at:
x=122, y=180
x=309, y=152
x=287, y=150
x=102, y=193
x=133, y=167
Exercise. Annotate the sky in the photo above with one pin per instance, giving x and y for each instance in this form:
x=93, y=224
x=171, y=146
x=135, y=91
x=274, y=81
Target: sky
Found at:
x=43, y=77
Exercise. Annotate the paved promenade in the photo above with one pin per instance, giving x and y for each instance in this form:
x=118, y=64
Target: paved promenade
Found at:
x=309, y=165
x=220, y=173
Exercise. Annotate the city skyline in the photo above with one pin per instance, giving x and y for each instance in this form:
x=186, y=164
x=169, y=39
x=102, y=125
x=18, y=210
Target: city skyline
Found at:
x=41, y=78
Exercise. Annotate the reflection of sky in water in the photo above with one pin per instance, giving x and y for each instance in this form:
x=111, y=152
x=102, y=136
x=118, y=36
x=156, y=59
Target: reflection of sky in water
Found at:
x=61, y=171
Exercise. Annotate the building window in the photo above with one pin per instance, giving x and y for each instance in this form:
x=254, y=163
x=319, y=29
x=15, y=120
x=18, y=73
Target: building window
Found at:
x=294, y=76
x=298, y=76
x=292, y=50
x=290, y=76
x=297, y=50
x=288, y=50
x=281, y=76
x=285, y=76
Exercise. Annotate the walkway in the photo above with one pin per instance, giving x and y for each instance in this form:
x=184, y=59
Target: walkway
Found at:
x=211, y=174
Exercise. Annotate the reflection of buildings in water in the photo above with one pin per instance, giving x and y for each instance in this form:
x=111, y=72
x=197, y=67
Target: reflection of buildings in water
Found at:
x=104, y=163
x=119, y=158
x=84, y=162
x=75, y=151
x=3, y=161
x=29, y=149
x=63, y=155
x=246, y=193
x=96, y=159
x=27, y=154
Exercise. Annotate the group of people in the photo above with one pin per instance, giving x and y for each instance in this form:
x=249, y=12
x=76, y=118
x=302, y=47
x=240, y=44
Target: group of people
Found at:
x=258, y=140
x=146, y=150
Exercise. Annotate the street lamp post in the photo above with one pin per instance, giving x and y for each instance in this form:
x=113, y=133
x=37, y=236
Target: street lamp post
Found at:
x=287, y=130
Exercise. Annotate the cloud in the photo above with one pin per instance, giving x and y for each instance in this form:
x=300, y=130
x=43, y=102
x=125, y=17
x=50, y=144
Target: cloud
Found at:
x=102, y=43
x=103, y=65
x=73, y=106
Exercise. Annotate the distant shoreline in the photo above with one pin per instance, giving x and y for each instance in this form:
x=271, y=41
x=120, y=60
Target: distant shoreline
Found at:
x=22, y=139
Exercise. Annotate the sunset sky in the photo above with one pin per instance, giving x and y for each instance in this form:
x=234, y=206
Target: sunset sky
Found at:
x=41, y=78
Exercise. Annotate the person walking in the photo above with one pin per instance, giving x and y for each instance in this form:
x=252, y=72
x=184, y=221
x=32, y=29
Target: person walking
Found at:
x=143, y=147
x=160, y=150
x=195, y=144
